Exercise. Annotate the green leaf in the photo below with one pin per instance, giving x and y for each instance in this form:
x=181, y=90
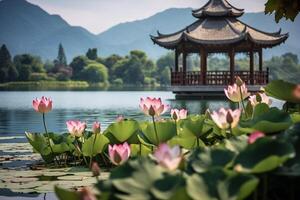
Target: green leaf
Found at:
x=125, y=130
x=270, y=121
x=139, y=149
x=192, y=126
x=281, y=90
x=186, y=142
x=66, y=194
x=264, y=155
x=98, y=141
x=165, y=130
x=39, y=142
x=219, y=184
x=205, y=159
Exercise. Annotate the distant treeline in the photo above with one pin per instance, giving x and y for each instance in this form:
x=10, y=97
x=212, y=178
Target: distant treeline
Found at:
x=134, y=69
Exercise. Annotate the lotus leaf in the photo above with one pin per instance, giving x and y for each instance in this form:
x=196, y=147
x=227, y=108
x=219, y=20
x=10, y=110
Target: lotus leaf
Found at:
x=125, y=130
x=218, y=184
x=264, y=155
x=281, y=90
x=270, y=121
x=165, y=130
x=94, y=145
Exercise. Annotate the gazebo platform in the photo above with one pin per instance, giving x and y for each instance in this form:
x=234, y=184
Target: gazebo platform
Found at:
x=205, y=91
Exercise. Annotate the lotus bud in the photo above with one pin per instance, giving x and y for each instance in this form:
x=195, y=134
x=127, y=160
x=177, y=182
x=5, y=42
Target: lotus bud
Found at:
x=151, y=111
x=254, y=136
x=229, y=118
x=95, y=169
x=239, y=81
x=96, y=127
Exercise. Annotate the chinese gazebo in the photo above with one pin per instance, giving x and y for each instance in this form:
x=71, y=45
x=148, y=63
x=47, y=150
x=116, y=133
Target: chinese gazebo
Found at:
x=217, y=30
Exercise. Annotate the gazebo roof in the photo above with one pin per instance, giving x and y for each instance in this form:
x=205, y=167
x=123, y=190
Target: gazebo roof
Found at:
x=218, y=8
x=217, y=25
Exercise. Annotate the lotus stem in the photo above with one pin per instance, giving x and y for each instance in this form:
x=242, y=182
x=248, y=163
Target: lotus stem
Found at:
x=140, y=145
x=48, y=137
x=91, y=156
x=155, y=130
x=78, y=148
x=242, y=100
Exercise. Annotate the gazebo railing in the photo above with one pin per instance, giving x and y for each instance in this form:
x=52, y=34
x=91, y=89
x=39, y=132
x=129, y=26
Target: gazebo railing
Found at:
x=218, y=77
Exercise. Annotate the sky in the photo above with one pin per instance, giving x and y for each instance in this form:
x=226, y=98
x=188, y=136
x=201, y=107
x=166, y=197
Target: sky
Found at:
x=99, y=15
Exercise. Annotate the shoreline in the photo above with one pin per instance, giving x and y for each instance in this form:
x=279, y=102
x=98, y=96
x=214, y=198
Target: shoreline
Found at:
x=74, y=86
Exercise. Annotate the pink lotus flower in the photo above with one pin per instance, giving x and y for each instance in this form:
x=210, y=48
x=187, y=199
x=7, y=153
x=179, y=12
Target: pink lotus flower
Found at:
x=167, y=157
x=42, y=105
x=296, y=92
x=76, y=128
x=254, y=136
x=96, y=127
x=233, y=92
x=153, y=106
x=226, y=118
x=263, y=98
x=178, y=114
x=119, y=153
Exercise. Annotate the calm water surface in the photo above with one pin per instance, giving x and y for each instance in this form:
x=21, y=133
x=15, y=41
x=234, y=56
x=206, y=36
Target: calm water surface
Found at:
x=17, y=114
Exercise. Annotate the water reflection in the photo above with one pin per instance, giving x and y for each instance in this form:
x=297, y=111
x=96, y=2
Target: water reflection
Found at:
x=17, y=115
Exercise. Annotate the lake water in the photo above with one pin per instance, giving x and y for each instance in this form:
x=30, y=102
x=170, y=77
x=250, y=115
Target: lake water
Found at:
x=17, y=114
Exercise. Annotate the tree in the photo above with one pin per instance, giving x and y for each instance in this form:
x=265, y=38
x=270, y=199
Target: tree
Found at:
x=92, y=54
x=61, y=57
x=283, y=8
x=27, y=64
x=94, y=73
x=8, y=71
x=78, y=63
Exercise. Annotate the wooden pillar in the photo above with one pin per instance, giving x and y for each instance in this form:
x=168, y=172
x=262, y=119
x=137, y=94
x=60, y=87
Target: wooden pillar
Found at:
x=203, y=63
x=251, y=56
x=260, y=60
x=231, y=57
x=184, y=62
x=184, y=68
x=176, y=60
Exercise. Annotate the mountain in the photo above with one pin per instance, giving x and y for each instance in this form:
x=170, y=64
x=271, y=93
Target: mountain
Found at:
x=26, y=28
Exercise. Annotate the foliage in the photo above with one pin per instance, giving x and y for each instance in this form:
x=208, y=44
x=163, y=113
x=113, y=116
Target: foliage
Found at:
x=92, y=54
x=61, y=56
x=283, y=8
x=95, y=72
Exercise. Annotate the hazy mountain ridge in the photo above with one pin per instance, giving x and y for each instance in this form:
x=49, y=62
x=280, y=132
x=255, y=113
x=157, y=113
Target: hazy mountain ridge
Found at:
x=26, y=28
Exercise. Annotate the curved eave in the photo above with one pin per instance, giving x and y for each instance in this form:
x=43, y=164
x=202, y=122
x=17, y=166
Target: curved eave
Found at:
x=269, y=43
x=217, y=14
x=277, y=33
x=167, y=45
x=214, y=42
